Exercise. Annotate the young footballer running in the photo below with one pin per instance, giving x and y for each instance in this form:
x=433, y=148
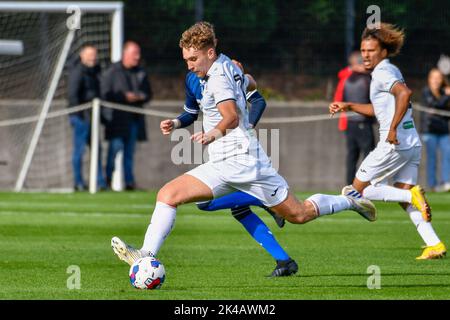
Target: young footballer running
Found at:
x=397, y=155
x=237, y=201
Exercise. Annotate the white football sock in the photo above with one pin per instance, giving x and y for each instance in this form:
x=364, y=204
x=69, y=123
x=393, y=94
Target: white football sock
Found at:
x=387, y=194
x=424, y=228
x=162, y=222
x=327, y=204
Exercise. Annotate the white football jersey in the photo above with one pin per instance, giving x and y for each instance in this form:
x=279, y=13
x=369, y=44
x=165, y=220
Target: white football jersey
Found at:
x=225, y=81
x=384, y=76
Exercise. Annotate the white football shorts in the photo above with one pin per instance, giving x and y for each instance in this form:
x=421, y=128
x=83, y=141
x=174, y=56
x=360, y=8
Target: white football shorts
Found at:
x=384, y=163
x=244, y=172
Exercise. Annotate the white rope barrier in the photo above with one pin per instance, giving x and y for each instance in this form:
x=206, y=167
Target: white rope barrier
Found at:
x=147, y=112
x=171, y=115
x=438, y=112
x=298, y=119
x=54, y=114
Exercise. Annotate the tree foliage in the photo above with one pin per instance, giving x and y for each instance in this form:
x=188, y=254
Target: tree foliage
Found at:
x=289, y=35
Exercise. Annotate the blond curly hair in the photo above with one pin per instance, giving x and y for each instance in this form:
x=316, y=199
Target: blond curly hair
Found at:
x=200, y=36
x=389, y=36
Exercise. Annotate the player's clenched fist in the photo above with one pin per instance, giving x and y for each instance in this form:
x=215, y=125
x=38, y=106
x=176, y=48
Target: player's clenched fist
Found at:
x=166, y=126
x=336, y=107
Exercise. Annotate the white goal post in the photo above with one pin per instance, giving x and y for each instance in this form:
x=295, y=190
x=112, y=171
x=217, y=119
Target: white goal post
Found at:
x=15, y=47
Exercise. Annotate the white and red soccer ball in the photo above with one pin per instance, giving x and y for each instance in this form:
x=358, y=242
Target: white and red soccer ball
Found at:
x=147, y=273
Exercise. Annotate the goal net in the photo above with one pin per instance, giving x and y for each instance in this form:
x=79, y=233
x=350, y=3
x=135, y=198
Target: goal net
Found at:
x=35, y=134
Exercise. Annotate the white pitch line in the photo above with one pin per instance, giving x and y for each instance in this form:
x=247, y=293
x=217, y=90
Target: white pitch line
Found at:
x=40, y=204
x=406, y=221
x=76, y=214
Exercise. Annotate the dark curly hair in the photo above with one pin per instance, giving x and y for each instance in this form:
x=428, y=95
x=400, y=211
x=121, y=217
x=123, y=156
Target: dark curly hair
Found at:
x=389, y=36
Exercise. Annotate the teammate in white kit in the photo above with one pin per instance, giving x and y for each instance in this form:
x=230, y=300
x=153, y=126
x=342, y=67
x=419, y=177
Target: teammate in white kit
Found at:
x=397, y=155
x=236, y=159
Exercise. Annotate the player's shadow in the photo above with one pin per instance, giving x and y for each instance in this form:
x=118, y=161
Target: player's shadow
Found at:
x=368, y=274
x=440, y=285
x=382, y=286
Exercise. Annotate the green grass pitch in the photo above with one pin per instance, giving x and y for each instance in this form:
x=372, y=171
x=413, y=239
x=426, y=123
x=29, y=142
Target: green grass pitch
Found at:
x=208, y=254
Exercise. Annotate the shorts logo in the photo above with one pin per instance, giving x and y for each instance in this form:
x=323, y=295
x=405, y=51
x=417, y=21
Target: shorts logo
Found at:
x=362, y=170
x=275, y=192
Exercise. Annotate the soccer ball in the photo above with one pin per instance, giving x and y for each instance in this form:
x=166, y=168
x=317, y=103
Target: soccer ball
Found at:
x=147, y=273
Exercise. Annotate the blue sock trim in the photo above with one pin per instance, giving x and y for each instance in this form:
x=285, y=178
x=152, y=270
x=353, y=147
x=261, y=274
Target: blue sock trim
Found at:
x=241, y=212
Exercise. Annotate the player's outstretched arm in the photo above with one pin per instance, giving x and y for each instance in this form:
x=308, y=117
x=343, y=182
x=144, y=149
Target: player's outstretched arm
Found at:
x=183, y=120
x=364, y=109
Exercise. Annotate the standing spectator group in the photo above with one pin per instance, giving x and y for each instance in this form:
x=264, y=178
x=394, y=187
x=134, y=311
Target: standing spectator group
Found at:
x=124, y=82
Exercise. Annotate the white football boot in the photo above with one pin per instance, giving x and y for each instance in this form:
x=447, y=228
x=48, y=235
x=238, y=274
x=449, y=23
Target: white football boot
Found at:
x=124, y=251
x=363, y=206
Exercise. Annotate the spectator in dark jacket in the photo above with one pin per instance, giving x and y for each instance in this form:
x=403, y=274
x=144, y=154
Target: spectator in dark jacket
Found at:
x=127, y=83
x=83, y=86
x=435, y=130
